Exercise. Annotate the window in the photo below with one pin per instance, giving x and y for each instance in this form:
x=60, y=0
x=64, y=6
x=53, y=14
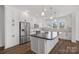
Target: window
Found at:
x=57, y=23
x=61, y=23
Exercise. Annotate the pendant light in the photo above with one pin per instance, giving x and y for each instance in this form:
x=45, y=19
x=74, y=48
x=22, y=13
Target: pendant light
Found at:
x=50, y=13
x=51, y=16
x=43, y=12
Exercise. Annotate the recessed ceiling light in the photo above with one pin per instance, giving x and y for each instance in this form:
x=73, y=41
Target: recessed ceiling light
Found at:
x=26, y=13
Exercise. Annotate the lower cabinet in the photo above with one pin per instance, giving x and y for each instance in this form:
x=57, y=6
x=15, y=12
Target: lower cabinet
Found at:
x=42, y=46
x=37, y=45
x=34, y=44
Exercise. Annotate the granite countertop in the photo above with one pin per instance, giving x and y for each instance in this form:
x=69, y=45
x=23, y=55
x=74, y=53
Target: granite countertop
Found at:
x=46, y=36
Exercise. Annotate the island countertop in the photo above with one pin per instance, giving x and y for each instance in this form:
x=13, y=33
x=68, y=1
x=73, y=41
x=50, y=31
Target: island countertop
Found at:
x=46, y=36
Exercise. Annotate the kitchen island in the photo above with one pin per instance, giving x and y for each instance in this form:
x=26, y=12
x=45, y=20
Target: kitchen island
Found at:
x=42, y=43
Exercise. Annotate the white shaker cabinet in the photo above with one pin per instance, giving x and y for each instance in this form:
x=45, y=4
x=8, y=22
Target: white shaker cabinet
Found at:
x=34, y=44
x=42, y=46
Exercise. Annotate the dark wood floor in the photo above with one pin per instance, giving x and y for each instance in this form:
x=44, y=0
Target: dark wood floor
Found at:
x=66, y=47
x=62, y=47
x=19, y=49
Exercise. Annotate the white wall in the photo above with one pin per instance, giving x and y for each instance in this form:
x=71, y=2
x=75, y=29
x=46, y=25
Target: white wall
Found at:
x=77, y=26
x=68, y=20
x=2, y=34
x=73, y=27
x=12, y=32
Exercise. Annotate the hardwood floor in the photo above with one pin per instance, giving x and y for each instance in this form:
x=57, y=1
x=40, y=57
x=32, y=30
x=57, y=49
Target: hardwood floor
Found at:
x=19, y=49
x=1, y=50
x=62, y=47
x=66, y=47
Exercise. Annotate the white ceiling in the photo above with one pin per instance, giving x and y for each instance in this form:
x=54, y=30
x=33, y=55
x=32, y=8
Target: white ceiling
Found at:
x=36, y=10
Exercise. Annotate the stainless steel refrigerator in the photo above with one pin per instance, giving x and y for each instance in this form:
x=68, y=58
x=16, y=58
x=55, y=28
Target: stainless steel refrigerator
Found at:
x=24, y=32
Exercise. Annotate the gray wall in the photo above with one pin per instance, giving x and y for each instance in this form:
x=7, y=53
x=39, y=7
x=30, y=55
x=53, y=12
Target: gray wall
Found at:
x=2, y=33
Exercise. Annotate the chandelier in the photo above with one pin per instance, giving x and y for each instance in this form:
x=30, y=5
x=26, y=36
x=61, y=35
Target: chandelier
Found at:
x=52, y=13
